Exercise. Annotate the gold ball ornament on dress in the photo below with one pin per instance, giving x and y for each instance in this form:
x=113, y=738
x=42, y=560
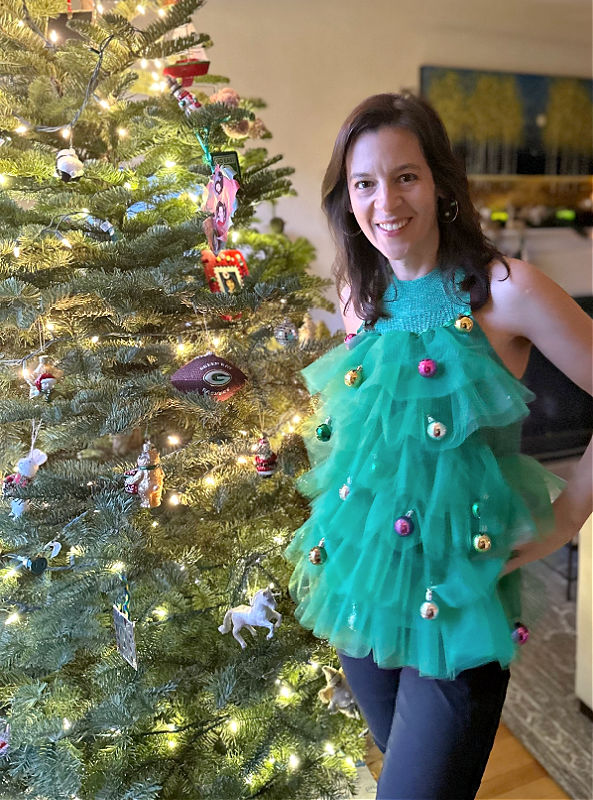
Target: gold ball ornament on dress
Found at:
x=429, y=609
x=464, y=323
x=435, y=429
x=354, y=376
x=482, y=542
x=318, y=554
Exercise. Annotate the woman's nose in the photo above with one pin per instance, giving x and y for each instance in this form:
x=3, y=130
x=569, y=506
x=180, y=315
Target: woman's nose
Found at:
x=388, y=197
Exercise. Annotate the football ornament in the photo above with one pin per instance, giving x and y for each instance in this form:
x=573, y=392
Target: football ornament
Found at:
x=211, y=376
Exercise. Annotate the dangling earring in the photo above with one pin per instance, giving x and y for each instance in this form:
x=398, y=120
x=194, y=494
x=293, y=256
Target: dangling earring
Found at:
x=450, y=215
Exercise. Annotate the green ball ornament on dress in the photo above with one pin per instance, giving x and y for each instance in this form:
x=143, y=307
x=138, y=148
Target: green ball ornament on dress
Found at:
x=324, y=431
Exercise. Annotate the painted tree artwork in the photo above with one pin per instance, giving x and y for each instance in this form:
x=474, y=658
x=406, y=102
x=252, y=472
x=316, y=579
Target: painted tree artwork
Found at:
x=504, y=123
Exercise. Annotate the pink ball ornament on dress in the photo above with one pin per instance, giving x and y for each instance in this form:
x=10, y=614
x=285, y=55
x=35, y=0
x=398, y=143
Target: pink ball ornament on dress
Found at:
x=521, y=633
x=427, y=367
x=404, y=526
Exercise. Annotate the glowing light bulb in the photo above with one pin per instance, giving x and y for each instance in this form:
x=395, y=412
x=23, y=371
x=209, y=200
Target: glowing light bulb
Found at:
x=140, y=9
x=118, y=566
x=296, y=419
x=314, y=664
x=20, y=23
x=3, y=179
x=21, y=129
x=65, y=133
x=350, y=761
x=66, y=724
x=234, y=236
x=192, y=197
x=16, y=250
x=121, y=132
x=278, y=539
x=162, y=12
x=329, y=748
x=215, y=341
x=53, y=36
x=172, y=744
x=243, y=433
x=100, y=8
x=210, y=480
x=128, y=185
x=169, y=164
x=161, y=612
x=174, y=500
x=234, y=726
x=155, y=524
x=158, y=63
x=94, y=339
x=155, y=76
x=143, y=63
x=293, y=761
x=11, y=618
x=104, y=104
x=49, y=326
x=173, y=440
x=241, y=460
x=286, y=691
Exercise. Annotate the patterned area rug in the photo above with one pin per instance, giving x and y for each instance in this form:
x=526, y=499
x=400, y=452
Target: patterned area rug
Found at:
x=541, y=708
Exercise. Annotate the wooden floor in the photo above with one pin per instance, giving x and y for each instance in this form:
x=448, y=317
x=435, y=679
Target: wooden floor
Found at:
x=512, y=772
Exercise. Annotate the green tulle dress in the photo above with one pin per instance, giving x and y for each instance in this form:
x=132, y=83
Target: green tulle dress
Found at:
x=420, y=486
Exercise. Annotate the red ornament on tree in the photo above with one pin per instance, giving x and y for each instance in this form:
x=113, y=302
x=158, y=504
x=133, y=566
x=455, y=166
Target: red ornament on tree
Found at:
x=265, y=458
x=193, y=64
x=225, y=273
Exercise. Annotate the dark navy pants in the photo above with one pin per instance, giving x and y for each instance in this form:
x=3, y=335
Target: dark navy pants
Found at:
x=436, y=735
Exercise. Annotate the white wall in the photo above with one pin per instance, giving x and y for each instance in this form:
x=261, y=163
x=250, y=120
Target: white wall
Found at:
x=312, y=61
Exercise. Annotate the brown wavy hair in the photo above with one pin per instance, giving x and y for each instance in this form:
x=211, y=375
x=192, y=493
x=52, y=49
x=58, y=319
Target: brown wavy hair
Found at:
x=462, y=242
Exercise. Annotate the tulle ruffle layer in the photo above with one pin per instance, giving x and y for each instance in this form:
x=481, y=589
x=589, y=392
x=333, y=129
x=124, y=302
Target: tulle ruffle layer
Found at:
x=381, y=464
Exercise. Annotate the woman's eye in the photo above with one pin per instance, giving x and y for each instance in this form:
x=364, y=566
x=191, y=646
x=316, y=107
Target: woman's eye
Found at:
x=362, y=184
x=410, y=177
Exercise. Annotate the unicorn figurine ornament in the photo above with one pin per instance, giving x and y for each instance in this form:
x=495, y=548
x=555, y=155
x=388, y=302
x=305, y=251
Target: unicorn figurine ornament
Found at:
x=262, y=612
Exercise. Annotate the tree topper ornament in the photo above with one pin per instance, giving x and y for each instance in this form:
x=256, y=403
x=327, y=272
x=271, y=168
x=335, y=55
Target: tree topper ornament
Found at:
x=261, y=612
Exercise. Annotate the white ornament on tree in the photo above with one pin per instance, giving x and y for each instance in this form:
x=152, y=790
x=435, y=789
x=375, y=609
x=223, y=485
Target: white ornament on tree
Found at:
x=261, y=613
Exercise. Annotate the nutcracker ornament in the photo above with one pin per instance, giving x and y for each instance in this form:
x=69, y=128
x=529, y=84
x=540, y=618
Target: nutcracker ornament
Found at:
x=262, y=612
x=265, y=458
x=147, y=479
x=337, y=695
x=68, y=166
x=43, y=378
x=26, y=471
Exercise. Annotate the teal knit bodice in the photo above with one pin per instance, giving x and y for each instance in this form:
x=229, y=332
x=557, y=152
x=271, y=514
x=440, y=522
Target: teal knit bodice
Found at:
x=424, y=303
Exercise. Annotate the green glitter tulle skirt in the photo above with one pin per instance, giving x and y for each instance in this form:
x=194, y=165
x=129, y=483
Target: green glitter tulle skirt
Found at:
x=381, y=464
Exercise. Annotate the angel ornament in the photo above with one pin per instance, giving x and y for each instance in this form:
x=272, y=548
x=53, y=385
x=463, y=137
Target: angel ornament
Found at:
x=262, y=612
x=147, y=479
x=43, y=378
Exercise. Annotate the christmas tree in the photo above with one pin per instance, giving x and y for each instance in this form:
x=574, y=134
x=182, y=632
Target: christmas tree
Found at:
x=149, y=426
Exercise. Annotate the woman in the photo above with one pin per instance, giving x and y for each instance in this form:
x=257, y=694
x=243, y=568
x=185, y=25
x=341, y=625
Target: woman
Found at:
x=422, y=507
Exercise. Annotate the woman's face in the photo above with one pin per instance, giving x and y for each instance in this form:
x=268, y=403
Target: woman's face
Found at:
x=393, y=196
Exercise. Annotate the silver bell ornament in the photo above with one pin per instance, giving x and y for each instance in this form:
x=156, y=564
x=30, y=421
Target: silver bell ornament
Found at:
x=286, y=333
x=68, y=166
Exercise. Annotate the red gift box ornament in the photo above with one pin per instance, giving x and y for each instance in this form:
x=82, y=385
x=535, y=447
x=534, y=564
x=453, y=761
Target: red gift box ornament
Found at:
x=225, y=273
x=211, y=376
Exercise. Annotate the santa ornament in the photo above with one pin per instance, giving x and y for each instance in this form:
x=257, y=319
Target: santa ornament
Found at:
x=43, y=378
x=185, y=100
x=147, y=479
x=211, y=376
x=265, y=458
x=26, y=471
